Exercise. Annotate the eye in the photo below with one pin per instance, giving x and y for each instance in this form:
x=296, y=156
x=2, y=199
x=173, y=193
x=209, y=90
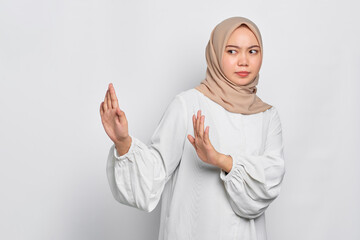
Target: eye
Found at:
x=255, y=51
x=231, y=51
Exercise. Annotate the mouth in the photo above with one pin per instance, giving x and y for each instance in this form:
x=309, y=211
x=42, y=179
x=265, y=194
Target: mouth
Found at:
x=242, y=73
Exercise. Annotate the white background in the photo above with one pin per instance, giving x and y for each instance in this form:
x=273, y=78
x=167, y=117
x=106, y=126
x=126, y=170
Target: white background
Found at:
x=57, y=58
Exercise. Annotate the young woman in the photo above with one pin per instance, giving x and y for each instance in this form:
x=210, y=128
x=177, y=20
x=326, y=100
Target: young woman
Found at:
x=217, y=182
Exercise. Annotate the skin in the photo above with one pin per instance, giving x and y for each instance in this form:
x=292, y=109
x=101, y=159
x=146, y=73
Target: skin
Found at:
x=115, y=122
x=204, y=149
x=242, y=53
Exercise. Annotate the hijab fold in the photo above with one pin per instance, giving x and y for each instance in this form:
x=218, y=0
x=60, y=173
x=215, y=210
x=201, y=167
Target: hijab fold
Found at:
x=216, y=86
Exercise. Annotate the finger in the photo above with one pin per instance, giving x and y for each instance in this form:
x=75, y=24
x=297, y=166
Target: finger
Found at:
x=206, y=135
x=122, y=116
x=198, y=123
x=118, y=115
x=201, y=130
x=118, y=112
x=101, y=108
x=191, y=140
x=194, y=124
x=114, y=100
x=109, y=100
x=105, y=102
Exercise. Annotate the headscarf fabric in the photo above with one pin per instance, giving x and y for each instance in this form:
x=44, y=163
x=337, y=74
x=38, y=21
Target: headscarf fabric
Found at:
x=216, y=86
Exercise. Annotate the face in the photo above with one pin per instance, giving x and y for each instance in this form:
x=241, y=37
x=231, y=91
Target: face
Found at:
x=242, y=57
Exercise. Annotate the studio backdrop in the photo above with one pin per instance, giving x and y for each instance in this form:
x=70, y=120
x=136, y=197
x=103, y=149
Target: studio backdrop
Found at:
x=58, y=57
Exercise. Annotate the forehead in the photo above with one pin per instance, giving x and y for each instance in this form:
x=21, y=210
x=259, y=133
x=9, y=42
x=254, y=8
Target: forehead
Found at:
x=242, y=35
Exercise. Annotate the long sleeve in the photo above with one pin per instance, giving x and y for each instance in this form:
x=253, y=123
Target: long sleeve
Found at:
x=138, y=177
x=255, y=181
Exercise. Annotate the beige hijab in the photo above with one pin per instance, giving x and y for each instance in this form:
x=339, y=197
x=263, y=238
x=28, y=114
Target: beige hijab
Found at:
x=234, y=98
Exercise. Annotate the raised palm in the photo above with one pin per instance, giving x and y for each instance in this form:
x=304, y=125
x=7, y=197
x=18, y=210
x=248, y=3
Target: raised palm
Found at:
x=201, y=141
x=112, y=118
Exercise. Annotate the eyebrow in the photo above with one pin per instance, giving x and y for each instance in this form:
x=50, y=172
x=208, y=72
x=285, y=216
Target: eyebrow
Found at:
x=234, y=46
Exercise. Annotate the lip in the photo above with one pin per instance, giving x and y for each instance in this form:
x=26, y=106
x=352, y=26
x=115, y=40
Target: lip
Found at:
x=242, y=73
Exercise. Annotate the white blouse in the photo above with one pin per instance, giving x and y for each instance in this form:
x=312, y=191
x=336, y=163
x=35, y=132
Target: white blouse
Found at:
x=198, y=200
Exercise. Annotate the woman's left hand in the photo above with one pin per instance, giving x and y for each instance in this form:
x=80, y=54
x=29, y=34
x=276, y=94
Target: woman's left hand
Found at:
x=201, y=142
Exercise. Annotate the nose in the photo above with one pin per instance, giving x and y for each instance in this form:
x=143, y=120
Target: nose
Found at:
x=242, y=59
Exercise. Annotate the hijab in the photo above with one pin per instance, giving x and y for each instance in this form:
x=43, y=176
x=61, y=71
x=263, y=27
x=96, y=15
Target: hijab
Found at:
x=216, y=86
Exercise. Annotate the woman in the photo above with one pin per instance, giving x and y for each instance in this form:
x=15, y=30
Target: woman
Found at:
x=214, y=184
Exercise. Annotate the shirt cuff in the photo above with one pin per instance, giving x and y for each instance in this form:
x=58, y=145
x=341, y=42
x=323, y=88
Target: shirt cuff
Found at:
x=132, y=146
x=226, y=177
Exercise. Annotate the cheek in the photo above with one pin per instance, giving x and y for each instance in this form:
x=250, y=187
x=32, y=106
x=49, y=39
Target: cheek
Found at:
x=227, y=64
x=256, y=63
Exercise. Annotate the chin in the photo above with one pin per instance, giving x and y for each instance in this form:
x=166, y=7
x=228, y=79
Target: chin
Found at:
x=242, y=82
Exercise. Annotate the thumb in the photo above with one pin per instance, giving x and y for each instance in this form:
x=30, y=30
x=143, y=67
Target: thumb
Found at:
x=121, y=115
x=118, y=111
x=190, y=139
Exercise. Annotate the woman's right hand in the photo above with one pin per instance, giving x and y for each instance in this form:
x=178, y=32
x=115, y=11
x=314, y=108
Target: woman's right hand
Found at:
x=114, y=119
